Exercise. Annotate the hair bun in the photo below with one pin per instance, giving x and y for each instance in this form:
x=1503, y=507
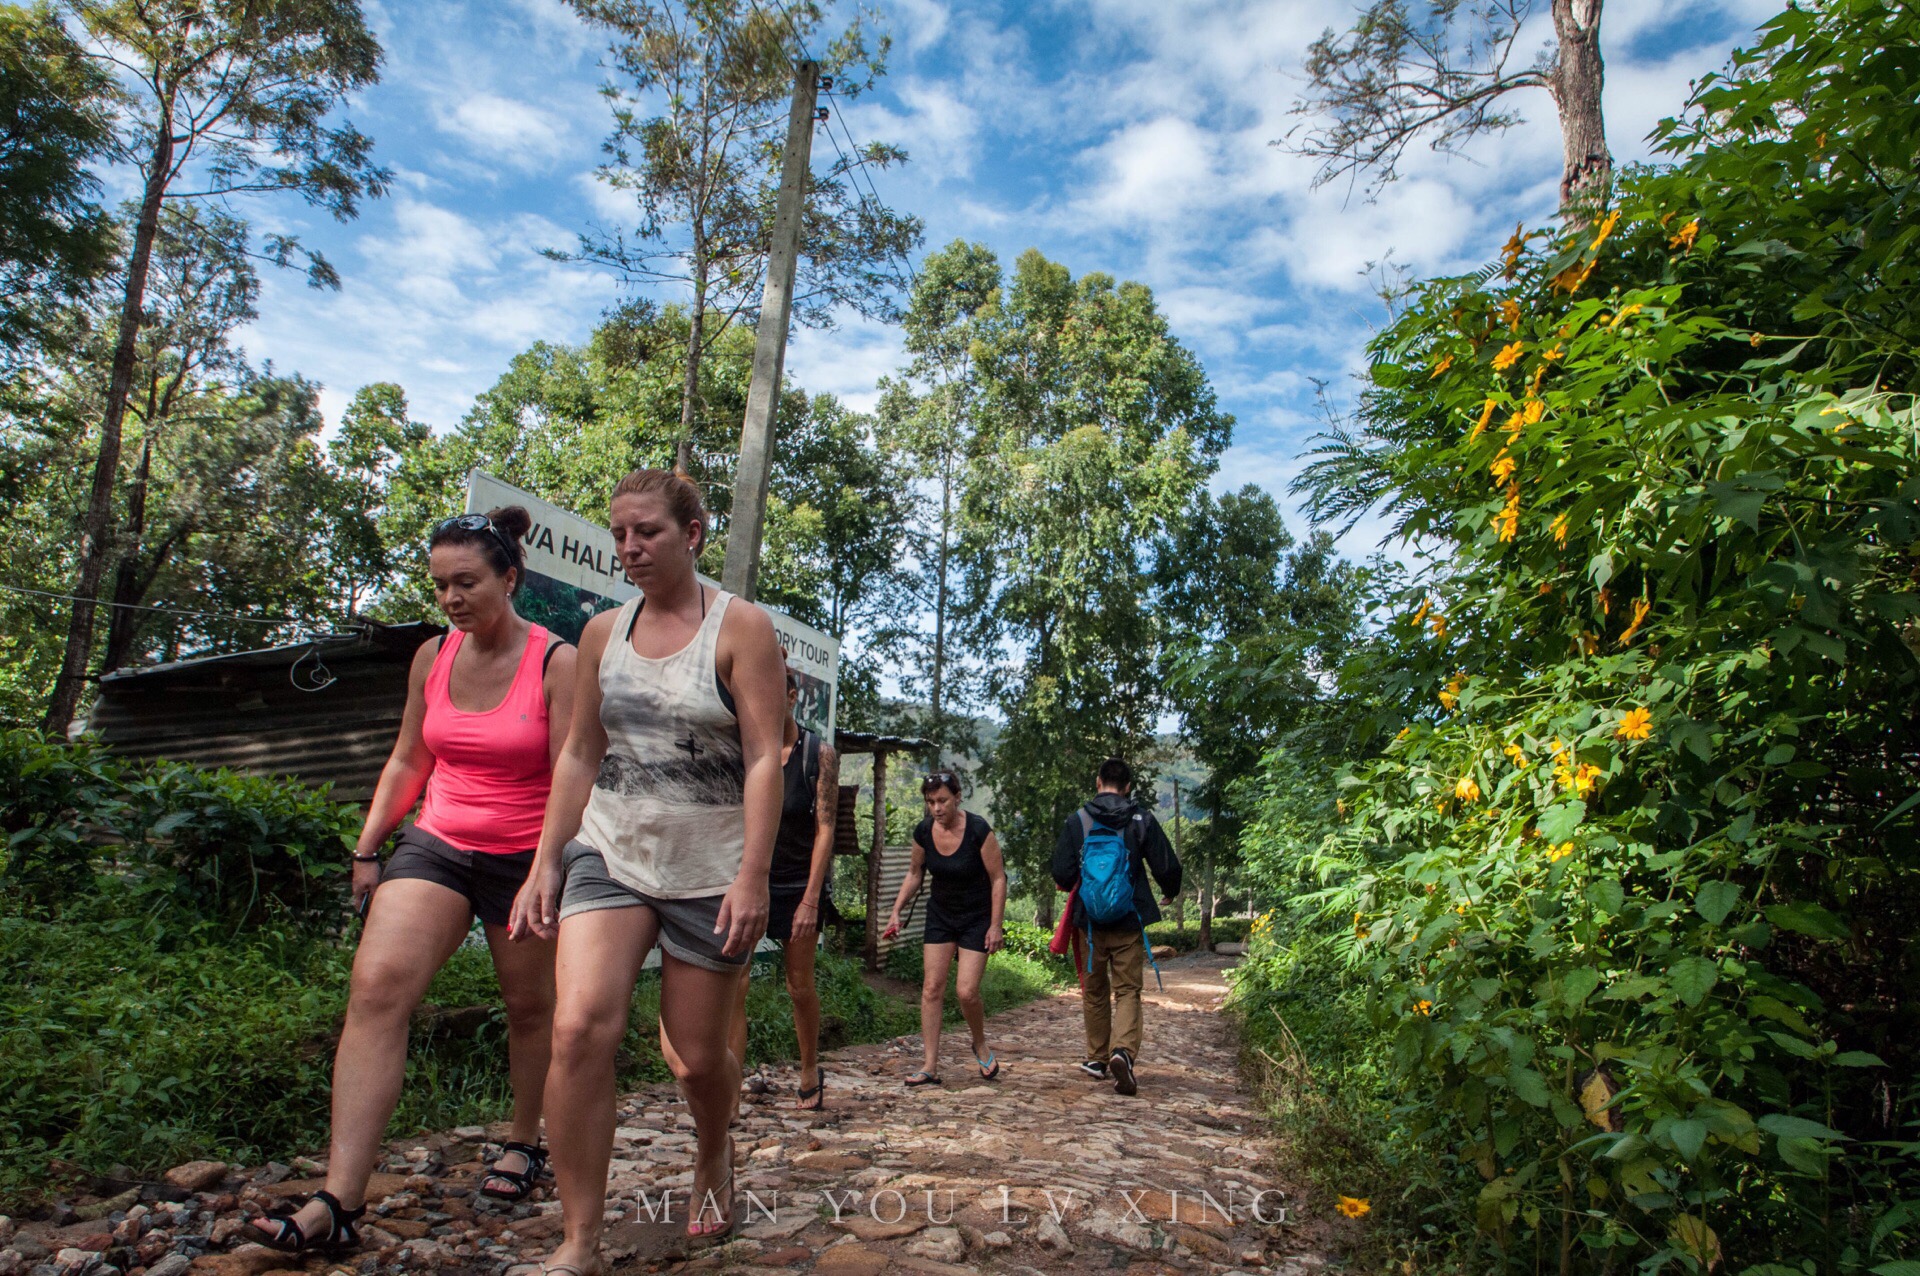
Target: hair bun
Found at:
x=512, y=520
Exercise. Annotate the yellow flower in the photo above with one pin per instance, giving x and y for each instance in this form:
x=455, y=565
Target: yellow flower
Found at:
x=1460, y=909
x=1518, y=758
x=1563, y=776
x=1585, y=778
x=1440, y=367
x=1606, y=228
x=1570, y=279
x=1510, y=313
x=1354, y=1206
x=1636, y=725
x=1467, y=789
x=1503, y=467
x=1451, y=696
x=1516, y=421
x=1755, y=340
x=1486, y=415
x=1606, y=601
x=1560, y=529
x=1507, y=521
x=1560, y=753
x=1439, y=622
x=1685, y=236
x=1514, y=247
x=1560, y=852
x=1626, y=313
x=1509, y=355
x=1554, y=353
x=1640, y=609
x=1539, y=375
x=1589, y=642
x=1425, y=605
x=1424, y=1006
x=1536, y=409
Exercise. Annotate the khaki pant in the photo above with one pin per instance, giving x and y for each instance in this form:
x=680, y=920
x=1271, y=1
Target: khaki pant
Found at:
x=1110, y=996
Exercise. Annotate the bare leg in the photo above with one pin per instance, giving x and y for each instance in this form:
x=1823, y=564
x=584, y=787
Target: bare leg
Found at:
x=806, y=1011
x=412, y=928
x=597, y=962
x=708, y=1072
x=525, y=970
x=967, y=988
x=935, y=961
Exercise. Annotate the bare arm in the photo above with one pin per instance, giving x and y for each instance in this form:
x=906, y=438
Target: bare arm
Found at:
x=916, y=869
x=404, y=776
x=996, y=866
x=536, y=907
x=826, y=814
x=559, y=687
x=753, y=669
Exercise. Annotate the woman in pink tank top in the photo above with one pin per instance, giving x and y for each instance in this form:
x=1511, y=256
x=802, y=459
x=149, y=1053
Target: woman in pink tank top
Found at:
x=488, y=709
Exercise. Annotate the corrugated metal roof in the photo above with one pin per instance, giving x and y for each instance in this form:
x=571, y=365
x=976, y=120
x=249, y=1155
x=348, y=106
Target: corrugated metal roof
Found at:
x=894, y=863
x=862, y=742
x=245, y=710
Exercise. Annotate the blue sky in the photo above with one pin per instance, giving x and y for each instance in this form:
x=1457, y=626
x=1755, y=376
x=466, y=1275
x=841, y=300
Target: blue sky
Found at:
x=1114, y=135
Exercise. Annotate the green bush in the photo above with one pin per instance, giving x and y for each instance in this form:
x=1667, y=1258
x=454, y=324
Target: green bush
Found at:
x=1021, y=971
x=199, y=845
x=1625, y=886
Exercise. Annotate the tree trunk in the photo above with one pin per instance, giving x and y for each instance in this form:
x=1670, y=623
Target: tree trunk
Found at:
x=1576, y=80
x=1206, y=902
x=96, y=534
x=940, y=606
x=690, y=379
x=123, y=626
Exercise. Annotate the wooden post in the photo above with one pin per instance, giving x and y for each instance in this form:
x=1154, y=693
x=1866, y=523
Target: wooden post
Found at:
x=875, y=855
x=746, y=522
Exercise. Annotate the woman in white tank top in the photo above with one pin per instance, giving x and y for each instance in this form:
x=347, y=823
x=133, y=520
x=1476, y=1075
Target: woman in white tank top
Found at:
x=660, y=828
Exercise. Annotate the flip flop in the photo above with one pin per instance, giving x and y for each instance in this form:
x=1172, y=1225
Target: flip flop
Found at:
x=720, y=1230
x=817, y=1093
x=989, y=1067
x=923, y=1078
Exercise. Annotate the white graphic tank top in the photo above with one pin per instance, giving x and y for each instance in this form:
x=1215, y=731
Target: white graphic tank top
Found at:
x=668, y=807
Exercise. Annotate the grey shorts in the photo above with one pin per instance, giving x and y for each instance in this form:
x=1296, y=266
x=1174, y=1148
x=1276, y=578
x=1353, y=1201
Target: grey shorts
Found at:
x=686, y=925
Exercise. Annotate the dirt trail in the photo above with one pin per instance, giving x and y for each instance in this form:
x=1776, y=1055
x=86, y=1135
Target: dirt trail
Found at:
x=1041, y=1170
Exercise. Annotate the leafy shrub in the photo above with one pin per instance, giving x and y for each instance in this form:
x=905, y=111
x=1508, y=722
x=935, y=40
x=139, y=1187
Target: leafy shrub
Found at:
x=201, y=845
x=1628, y=898
x=56, y=802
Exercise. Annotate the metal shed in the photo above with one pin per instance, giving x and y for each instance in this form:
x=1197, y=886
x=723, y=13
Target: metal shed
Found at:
x=321, y=711
x=886, y=865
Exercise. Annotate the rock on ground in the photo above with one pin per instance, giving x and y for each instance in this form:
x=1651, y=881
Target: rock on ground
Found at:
x=1041, y=1170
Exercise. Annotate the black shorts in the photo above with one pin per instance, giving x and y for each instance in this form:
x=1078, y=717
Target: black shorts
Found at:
x=781, y=903
x=969, y=932
x=488, y=880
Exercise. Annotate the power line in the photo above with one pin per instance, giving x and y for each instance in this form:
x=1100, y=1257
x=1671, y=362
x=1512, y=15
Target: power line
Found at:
x=170, y=611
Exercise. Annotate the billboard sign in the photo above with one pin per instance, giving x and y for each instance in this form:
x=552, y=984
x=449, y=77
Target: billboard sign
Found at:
x=573, y=575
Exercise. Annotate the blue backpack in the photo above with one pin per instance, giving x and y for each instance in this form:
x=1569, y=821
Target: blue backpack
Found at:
x=1106, y=881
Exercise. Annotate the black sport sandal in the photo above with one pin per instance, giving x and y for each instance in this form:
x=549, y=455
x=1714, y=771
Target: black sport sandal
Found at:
x=341, y=1234
x=523, y=1181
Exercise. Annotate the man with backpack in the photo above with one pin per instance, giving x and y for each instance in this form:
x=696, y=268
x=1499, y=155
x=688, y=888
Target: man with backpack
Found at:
x=1103, y=855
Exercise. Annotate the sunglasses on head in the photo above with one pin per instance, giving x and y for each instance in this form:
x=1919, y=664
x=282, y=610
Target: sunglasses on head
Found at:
x=472, y=523
x=947, y=778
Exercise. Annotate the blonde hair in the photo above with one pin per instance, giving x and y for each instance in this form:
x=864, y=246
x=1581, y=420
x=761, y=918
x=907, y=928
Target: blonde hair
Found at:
x=680, y=493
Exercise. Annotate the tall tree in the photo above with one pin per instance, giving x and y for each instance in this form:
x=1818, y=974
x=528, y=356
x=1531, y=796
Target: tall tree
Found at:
x=1100, y=429
x=1444, y=70
x=54, y=121
x=376, y=442
x=222, y=98
x=928, y=414
x=700, y=108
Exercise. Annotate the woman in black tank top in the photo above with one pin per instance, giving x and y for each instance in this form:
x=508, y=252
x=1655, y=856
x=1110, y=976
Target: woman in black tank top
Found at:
x=964, y=911
x=799, y=889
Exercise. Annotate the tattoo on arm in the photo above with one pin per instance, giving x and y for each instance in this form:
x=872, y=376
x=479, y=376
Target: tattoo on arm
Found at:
x=826, y=798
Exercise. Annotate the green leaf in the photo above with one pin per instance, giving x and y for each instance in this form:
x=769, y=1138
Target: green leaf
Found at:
x=1578, y=984
x=1529, y=1086
x=1783, y=1126
x=1607, y=896
x=1557, y=823
x=1689, y=1137
x=1715, y=900
x=1898, y=1267
x=1693, y=978
x=1743, y=504
x=1807, y=919
x=1858, y=1059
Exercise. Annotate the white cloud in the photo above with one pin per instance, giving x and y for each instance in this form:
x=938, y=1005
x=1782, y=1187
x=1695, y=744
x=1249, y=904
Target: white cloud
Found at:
x=506, y=131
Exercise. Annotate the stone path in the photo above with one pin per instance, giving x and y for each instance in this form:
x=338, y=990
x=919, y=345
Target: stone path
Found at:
x=1042, y=1170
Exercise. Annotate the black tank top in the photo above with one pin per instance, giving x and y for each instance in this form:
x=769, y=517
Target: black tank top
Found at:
x=961, y=887
x=793, y=841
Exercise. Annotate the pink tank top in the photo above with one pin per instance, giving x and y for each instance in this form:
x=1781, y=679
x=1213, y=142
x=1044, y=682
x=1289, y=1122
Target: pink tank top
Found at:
x=491, y=771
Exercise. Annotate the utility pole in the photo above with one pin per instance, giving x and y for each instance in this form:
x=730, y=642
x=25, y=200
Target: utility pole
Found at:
x=747, y=521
